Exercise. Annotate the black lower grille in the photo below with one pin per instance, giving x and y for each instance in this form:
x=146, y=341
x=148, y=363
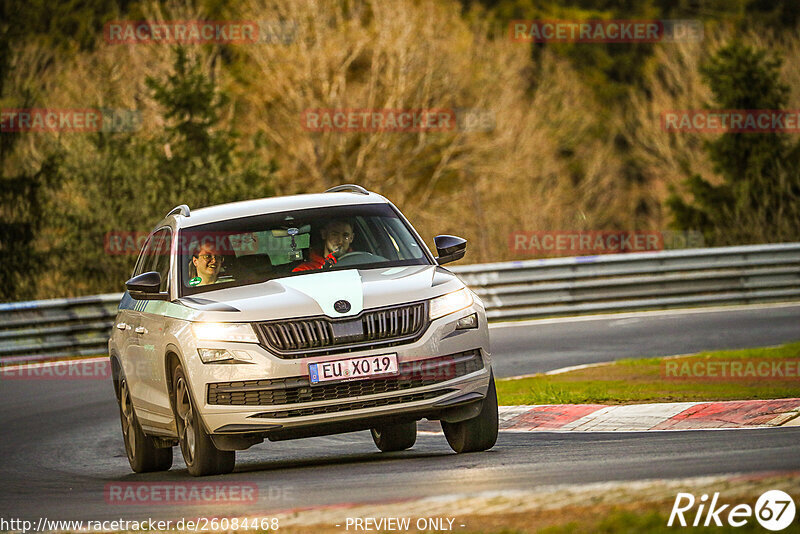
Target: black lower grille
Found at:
x=333, y=408
x=299, y=390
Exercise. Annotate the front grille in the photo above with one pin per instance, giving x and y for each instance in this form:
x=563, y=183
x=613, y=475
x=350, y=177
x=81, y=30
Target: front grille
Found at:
x=319, y=335
x=411, y=375
x=333, y=408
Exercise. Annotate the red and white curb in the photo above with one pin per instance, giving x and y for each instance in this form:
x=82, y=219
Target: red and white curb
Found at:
x=642, y=417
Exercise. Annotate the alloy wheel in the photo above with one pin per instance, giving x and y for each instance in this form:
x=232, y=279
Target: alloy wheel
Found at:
x=128, y=420
x=186, y=429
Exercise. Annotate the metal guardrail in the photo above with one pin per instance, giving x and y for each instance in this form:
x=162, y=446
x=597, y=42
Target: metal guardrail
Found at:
x=45, y=329
x=638, y=281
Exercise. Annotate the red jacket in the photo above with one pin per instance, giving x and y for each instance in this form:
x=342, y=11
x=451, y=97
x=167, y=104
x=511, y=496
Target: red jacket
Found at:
x=314, y=263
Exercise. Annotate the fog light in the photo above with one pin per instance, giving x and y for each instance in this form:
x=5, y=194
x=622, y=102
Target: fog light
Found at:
x=215, y=355
x=470, y=321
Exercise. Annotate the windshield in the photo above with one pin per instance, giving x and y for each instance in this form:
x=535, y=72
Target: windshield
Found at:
x=256, y=249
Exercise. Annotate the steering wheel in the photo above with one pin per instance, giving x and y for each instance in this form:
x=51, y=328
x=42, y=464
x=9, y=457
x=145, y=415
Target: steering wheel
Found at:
x=359, y=257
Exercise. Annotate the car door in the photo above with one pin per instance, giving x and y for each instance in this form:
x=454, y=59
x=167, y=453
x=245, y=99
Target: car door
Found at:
x=150, y=331
x=128, y=320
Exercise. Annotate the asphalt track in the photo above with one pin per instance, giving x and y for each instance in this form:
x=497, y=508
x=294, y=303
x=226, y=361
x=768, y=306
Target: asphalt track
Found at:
x=61, y=440
x=539, y=346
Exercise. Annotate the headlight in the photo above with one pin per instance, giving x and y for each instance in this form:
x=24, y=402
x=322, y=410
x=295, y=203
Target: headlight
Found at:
x=242, y=332
x=452, y=302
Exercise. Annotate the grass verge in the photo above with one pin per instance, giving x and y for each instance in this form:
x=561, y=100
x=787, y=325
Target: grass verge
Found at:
x=599, y=507
x=700, y=377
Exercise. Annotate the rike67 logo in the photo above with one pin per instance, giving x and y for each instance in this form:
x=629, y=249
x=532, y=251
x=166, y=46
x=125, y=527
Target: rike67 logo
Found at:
x=774, y=510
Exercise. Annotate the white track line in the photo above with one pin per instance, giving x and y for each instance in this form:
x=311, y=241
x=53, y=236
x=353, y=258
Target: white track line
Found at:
x=643, y=313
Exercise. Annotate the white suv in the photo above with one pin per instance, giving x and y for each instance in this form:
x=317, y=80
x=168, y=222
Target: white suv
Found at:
x=291, y=317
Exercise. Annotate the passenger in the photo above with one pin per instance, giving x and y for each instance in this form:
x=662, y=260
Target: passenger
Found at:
x=206, y=265
x=337, y=236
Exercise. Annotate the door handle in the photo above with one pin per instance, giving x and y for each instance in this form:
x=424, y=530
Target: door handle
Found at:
x=140, y=330
x=122, y=326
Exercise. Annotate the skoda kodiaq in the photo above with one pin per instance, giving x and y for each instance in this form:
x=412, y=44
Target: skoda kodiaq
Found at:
x=291, y=317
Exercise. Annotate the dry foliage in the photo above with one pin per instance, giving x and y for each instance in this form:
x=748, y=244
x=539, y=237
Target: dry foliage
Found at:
x=552, y=162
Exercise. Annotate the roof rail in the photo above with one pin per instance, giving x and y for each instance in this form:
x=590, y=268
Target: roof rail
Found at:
x=351, y=188
x=183, y=209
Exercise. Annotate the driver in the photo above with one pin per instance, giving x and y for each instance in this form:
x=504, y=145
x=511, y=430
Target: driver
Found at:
x=337, y=236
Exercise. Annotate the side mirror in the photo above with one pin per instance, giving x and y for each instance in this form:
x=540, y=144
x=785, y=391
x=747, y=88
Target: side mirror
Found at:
x=450, y=248
x=146, y=287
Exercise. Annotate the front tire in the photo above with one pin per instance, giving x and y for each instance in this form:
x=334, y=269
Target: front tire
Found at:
x=478, y=433
x=143, y=455
x=199, y=453
x=397, y=437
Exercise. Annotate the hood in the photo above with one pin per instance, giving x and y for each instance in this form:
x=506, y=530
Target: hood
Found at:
x=315, y=294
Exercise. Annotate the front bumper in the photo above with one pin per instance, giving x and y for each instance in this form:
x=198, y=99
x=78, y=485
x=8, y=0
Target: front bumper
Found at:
x=326, y=416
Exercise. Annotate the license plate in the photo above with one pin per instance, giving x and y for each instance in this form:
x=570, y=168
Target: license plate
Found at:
x=353, y=368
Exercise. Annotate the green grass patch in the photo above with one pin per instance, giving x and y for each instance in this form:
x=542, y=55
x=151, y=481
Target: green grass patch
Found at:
x=633, y=381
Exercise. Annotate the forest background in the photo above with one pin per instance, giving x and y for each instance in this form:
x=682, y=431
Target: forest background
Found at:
x=575, y=144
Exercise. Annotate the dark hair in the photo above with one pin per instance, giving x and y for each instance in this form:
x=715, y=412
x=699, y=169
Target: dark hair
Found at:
x=337, y=221
x=221, y=246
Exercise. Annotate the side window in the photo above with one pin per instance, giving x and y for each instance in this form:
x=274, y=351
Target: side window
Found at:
x=365, y=238
x=141, y=262
x=155, y=256
x=161, y=254
x=405, y=249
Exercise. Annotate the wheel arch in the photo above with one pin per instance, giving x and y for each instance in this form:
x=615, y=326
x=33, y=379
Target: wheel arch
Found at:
x=116, y=372
x=172, y=358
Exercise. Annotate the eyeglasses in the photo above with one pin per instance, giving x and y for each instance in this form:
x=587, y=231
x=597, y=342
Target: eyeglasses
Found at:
x=208, y=257
x=334, y=235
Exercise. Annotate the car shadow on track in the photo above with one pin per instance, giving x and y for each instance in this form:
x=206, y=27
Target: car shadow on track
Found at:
x=304, y=454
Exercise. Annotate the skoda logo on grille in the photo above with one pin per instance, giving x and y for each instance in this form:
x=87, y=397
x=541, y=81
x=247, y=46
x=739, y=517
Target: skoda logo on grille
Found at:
x=341, y=306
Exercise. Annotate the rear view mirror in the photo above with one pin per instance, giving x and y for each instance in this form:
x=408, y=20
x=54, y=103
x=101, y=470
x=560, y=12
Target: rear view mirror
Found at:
x=286, y=232
x=450, y=248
